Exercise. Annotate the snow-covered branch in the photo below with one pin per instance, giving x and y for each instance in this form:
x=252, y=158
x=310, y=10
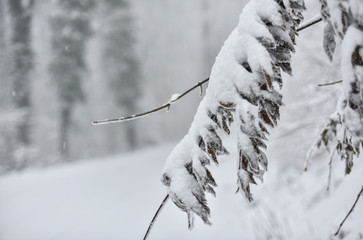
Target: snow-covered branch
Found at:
x=310, y=22
x=242, y=90
x=344, y=131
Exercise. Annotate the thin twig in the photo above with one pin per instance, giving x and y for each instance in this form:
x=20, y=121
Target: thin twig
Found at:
x=155, y=216
x=166, y=105
x=350, y=211
x=309, y=23
x=328, y=84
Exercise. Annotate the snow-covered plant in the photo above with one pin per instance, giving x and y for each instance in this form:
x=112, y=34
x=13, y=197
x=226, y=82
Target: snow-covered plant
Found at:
x=344, y=28
x=242, y=90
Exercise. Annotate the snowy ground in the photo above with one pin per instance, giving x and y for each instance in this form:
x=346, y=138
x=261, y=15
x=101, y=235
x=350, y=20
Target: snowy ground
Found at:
x=115, y=199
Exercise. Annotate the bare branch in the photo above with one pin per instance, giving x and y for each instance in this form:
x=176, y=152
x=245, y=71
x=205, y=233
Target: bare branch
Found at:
x=164, y=106
x=350, y=211
x=155, y=216
x=328, y=84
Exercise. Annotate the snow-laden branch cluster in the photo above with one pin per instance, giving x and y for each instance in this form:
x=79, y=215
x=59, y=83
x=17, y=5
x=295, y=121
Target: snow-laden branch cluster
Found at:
x=344, y=29
x=242, y=89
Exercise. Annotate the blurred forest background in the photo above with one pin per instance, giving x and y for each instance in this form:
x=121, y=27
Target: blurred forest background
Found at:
x=64, y=63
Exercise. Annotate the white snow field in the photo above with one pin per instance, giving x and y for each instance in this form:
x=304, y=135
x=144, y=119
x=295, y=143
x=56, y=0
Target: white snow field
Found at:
x=116, y=198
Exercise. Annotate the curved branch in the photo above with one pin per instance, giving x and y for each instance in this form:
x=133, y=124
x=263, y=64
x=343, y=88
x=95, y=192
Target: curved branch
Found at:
x=350, y=211
x=155, y=216
x=167, y=105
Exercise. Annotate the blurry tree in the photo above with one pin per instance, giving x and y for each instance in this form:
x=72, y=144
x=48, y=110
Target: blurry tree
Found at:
x=71, y=29
x=5, y=148
x=21, y=63
x=206, y=30
x=120, y=62
x=2, y=26
x=2, y=46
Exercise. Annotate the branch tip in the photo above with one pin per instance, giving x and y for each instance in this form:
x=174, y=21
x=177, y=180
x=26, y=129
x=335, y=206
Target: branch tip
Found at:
x=166, y=105
x=155, y=216
x=350, y=211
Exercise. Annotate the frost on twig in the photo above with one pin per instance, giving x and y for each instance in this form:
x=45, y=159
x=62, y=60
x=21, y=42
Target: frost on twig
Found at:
x=310, y=22
x=174, y=98
x=241, y=95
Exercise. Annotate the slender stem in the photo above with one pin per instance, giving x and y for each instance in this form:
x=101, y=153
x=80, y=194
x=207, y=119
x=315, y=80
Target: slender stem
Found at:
x=155, y=216
x=309, y=23
x=166, y=105
x=350, y=211
x=331, y=83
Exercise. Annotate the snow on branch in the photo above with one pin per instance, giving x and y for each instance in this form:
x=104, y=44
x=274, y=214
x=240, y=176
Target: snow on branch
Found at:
x=344, y=131
x=173, y=99
x=310, y=22
x=242, y=97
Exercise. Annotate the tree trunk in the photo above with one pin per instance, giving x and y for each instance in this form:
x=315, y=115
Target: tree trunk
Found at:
x=131, y=136
x=21, y=16
x=119, y=49
x=70, y=33
x=206, y=30
x=64, y=127
x=2, y=28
